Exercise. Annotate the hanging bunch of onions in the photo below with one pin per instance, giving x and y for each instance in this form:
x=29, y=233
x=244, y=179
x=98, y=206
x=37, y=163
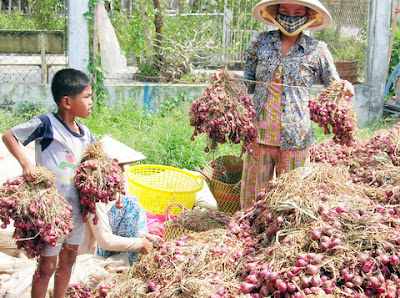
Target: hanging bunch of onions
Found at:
x=225, y=113
x=40, y=214
x=98, y=179
x=333, y=111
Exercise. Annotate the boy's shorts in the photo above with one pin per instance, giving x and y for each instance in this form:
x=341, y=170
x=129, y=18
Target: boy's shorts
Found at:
x=74, y=238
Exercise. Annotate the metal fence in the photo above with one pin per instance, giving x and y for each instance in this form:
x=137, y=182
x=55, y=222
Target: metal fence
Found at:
x=32, y=41
x=346, y=37
x=209, y=33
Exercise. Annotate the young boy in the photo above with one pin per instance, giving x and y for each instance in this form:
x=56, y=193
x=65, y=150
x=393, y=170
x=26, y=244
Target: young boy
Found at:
x=60, y=141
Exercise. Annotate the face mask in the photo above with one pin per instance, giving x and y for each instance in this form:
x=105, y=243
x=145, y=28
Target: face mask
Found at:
x=291, y=24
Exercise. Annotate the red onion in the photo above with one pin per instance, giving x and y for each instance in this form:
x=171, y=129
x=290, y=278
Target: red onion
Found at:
x=264, y=291
x=252, y=278
x=316, y=235
x=265, y=273
x=247, y=287
x=394, y=259
x=312, y=269
x=281, y=286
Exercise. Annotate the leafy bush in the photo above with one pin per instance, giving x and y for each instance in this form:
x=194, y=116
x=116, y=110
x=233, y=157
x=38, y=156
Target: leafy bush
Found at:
x=44, y=14
x=16, y=20
x=171, y=104
x=343, y=47
x=9, y=117
x=130, y=33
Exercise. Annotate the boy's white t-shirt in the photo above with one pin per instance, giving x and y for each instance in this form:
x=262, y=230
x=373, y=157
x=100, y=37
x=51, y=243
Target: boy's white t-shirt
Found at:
x=57, y=148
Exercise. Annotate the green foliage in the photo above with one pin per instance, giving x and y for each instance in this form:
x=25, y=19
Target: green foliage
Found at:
x=194, y=25
x=201, y=77
x=44, y=14
x=170, y=104
x=9, y=117
x=89, y=15
x=99, y=90
x=343, y=47
x=148, y=70
x=16, y=20
x=29, y=110
x=130, y=32
x=395, y=55
x=200, y=5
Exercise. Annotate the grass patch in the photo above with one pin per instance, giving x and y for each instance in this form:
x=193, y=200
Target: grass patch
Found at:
x=9, y=118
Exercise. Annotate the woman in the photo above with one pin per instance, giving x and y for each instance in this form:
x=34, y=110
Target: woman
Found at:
x=119, y=230
x=289, y=62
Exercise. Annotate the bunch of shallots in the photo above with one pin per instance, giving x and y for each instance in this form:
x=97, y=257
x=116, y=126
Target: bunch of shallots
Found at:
x=40, y=214
x=333, y=111
x=98, y=179
x=224, y=112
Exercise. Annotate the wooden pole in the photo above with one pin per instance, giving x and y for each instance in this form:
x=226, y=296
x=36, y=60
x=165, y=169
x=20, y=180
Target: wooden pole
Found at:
x=158, y=22
x=147, y=31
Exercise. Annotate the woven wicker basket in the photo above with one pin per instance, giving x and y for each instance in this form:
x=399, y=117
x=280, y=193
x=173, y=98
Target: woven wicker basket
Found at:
x=348, y=70
x=172, y=232
x=224, y=182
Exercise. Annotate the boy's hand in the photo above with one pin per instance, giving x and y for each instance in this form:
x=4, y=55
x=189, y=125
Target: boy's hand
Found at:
x=28, y=170
x=146, y=246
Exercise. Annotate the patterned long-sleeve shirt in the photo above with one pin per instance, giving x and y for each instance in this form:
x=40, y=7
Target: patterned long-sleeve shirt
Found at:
x=308, y=61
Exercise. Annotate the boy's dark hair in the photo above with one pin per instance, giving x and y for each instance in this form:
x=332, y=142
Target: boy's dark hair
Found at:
x=68, y=82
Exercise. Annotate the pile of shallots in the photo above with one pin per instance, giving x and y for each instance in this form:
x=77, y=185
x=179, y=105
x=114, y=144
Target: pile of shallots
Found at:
x=98, y=179
x=333, y=111
x=91, y=289
x=314, y=234
x=225, y=113
x=40, y=214
x=372, y=163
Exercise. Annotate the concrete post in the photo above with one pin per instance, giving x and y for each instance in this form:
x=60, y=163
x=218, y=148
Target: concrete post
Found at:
x=369, y=97
x=78, y=35
x=226, y=30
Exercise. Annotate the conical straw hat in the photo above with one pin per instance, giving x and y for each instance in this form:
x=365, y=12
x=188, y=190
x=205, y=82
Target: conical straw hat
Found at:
x=316, y=11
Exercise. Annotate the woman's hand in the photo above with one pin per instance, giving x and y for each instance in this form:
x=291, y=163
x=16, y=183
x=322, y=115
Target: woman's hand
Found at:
x=153, y=238
x=348, y=89
x=149, y=240
x=147, y=246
